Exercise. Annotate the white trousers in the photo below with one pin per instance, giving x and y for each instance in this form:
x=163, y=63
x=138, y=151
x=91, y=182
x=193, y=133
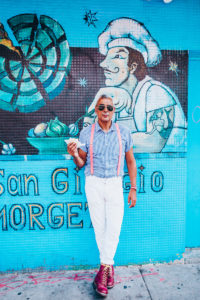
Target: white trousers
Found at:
x=106, y=207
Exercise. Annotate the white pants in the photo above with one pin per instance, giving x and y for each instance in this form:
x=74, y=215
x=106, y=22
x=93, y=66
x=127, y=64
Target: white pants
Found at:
x=106, y=207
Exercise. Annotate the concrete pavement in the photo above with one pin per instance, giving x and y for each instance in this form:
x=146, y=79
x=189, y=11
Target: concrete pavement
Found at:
x=172, y=281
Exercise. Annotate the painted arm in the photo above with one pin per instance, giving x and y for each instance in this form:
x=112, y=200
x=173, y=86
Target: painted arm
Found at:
x=158, y=128
x=91, y=115
x=132, y=171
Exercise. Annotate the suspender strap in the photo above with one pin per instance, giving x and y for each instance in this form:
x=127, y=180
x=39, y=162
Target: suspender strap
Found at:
x=91, y=149
x=120, y=148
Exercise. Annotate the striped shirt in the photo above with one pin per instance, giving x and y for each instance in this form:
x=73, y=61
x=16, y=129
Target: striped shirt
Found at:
x=105, y=149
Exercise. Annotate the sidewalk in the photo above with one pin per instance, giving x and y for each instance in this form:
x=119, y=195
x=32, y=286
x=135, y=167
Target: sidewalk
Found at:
x=178, y=280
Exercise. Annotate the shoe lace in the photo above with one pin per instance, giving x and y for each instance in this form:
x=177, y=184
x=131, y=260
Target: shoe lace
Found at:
x=105, y=274
x=109, y=271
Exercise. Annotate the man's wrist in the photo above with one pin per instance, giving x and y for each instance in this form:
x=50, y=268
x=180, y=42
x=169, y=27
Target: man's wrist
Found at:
x=75, y=155
x=133, y=187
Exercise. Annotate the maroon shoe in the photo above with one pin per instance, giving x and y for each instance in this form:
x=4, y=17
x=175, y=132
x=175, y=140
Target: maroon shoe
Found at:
x=110, y=281
x=100, y=281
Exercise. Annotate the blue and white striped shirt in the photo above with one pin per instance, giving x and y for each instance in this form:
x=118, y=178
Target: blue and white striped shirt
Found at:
x=105, y=149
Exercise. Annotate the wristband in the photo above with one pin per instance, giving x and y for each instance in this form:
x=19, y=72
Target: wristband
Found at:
x=134, y=187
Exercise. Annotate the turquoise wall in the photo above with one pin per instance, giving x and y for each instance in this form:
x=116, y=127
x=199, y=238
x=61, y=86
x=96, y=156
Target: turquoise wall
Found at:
x=45, y=220
x=174, y=25
x=159, y=220
x=193, y=163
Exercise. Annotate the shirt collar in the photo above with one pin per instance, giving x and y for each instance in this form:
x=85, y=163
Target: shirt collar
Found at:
x=98, y=128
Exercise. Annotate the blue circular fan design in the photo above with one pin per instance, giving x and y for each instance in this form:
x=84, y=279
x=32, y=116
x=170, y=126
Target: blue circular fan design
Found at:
x=39, y=75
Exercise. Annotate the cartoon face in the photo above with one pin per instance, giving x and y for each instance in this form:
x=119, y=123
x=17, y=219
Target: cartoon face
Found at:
x=115, y=66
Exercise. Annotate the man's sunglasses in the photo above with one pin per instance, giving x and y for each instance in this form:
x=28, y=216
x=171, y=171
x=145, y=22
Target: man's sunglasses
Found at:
x=101, y=107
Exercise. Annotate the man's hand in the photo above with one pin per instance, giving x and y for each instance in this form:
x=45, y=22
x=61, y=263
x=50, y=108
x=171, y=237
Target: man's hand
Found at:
x=132, y=171
x=78, y=155
x=132, y=198
x=72, y=149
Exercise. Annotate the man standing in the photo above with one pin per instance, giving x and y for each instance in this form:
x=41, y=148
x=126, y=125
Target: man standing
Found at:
x=104, y=146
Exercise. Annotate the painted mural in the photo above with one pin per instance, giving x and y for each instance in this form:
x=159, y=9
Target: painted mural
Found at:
x=48, y=89
x=65, y=183
x=51, y=75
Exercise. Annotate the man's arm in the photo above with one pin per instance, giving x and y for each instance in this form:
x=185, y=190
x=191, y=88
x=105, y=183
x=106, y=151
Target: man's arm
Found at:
x=132, y=171
x=78, y=154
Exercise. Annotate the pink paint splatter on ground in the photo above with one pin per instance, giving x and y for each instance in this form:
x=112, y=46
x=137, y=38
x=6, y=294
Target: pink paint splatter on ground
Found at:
x=13, y=282
x=151, y=269
x=60, y=277
x=162, y=279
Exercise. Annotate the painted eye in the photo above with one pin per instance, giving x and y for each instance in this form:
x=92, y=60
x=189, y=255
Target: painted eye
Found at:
x=117, y=56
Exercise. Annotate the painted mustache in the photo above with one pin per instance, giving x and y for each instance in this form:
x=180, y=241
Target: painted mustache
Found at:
x=115, y=71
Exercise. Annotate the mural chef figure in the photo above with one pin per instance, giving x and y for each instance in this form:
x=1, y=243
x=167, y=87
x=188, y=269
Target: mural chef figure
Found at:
x=148, y=107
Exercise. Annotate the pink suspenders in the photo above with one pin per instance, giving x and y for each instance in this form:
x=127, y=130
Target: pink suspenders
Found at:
x=91, y=149
x=120, y=148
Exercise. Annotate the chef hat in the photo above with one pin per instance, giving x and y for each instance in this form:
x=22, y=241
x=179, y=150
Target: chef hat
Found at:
x=129, y=32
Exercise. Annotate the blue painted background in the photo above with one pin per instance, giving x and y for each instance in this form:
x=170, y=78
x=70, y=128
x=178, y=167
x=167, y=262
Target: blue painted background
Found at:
x=193, y=162
x=174, y=25
x=153, y=231
x=158, y=231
